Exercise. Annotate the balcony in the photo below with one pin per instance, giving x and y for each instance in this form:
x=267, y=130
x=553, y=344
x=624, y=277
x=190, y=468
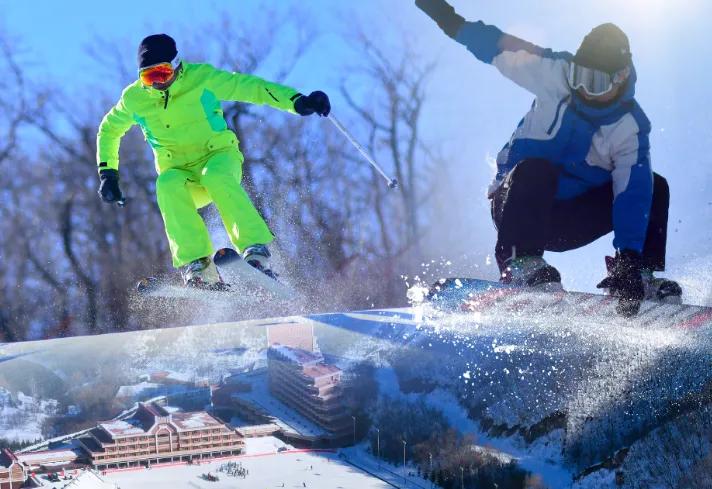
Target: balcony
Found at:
x=129, y=457
x=313, y=404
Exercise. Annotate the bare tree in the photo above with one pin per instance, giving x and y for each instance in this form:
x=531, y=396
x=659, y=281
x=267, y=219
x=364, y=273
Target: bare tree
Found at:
x=388, y=117
x=13, y=102
x=392, y=119
x=18, y=105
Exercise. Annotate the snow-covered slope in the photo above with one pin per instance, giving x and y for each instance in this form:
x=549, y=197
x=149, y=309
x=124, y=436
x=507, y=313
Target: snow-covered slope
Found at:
x=21, y=416
x=576, y=401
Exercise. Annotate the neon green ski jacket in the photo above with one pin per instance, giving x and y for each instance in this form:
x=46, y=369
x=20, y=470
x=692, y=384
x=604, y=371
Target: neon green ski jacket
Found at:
x=185, y=123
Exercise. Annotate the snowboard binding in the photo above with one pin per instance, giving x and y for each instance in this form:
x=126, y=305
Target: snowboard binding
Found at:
x=255, y=256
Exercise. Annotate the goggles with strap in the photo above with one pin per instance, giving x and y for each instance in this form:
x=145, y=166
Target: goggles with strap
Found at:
x=595, y=82
x=159, y=73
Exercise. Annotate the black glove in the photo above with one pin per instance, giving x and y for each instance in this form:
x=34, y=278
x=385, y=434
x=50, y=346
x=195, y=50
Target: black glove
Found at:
x=314, y=102
x=109, y=187
x=443, y=14
x=625, y=281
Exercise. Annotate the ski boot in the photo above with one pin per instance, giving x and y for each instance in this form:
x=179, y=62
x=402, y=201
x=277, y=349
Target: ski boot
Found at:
x=531, y=271
x=203, y=274
x=257, y=256
x=148, y=284
x=661, y=289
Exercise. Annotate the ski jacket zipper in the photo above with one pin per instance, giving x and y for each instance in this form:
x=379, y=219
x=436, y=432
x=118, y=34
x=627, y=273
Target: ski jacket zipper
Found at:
x=165, y=102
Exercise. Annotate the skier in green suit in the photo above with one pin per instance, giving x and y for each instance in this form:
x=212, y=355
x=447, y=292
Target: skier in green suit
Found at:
x=177, y=106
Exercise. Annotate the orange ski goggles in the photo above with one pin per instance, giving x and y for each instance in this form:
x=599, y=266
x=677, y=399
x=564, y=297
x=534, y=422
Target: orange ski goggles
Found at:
x=159, y=73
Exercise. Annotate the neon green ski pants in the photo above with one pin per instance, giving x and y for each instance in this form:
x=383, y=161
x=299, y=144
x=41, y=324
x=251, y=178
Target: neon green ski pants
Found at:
x=182, y=191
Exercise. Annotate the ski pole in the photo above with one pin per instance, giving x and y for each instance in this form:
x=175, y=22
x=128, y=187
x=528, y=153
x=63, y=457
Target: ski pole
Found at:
x=392, y=182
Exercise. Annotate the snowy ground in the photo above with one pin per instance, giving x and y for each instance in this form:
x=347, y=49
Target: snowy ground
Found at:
x=396, y=476
x=77, y=479
x=294, y=469
x=21, y=419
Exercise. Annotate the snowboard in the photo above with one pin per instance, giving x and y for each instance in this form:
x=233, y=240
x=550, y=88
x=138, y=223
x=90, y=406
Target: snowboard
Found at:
x=472, y=295
x=237, y=274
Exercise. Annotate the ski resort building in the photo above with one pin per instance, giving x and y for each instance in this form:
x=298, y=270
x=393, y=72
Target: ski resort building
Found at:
x=258, y=430
x=12, y=473
x=156, y=435
x=302, y=380
x=44, y=460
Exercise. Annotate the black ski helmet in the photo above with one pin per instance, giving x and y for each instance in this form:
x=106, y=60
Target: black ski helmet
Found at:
x=605, y=48
x=155, y=49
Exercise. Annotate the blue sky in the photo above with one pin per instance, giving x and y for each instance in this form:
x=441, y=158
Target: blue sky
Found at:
x=471, y=111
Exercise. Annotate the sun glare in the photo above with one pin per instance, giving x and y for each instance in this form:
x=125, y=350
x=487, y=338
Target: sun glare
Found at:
x=651, y=13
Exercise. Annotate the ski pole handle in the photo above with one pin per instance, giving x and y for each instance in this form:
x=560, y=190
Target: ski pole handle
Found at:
x=392, y=182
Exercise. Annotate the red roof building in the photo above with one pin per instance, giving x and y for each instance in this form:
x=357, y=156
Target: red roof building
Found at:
x=156, y=435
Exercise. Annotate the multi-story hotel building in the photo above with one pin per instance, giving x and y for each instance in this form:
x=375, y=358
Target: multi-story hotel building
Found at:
x=156, y=435
x=12, y=472
x=302, y=380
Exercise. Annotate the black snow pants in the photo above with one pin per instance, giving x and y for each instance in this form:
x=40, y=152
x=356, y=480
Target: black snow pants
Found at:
x=530, y=220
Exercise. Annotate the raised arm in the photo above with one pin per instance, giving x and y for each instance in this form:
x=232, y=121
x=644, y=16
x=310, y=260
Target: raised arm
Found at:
x=535, y=69
x=112, y=128
x=443, y=14
x=239, y=87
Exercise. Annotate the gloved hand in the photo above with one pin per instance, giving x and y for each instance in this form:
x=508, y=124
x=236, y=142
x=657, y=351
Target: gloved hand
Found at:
x=625, y=281
x=443, y=14
x=314, y=102
x=109, y=187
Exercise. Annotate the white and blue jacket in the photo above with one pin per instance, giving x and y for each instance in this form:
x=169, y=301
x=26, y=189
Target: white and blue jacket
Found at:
x=592, y=146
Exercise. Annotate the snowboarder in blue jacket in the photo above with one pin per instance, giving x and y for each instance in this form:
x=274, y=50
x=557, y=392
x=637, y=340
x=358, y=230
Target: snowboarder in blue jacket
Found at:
x=578, y=164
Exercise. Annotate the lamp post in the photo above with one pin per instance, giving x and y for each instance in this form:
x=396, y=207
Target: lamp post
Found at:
x=378, y=445
x=354, y=419
x=404, y=479
x=462, y=478
x=430, y=457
